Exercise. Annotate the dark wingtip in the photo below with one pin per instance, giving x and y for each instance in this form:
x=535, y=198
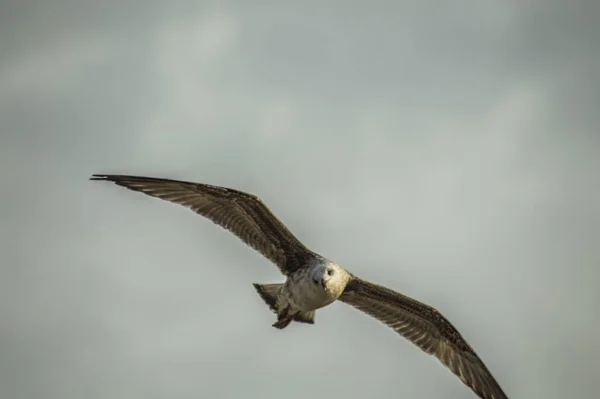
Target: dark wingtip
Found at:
x=116, y=178
x=133, y=178
x=99, y=177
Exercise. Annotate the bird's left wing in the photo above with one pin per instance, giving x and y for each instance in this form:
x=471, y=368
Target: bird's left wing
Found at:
x=426, y=328
x=243, y=214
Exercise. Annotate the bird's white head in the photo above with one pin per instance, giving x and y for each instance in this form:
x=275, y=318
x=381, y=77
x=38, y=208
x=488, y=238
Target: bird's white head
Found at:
x=331, y=277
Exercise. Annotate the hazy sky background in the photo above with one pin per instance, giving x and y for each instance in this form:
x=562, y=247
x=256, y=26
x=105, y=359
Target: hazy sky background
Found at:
x=449, y=151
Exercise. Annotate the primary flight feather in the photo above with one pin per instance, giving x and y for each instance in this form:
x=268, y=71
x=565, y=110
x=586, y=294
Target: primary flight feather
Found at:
x=314, y=281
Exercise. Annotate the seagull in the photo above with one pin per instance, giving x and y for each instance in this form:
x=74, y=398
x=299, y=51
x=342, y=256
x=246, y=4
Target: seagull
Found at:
x=313, y=281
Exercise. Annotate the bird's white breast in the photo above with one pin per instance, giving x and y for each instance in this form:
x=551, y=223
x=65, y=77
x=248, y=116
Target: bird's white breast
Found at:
x=305, y=295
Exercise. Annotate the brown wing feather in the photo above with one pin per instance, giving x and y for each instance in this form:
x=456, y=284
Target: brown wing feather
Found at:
x=426, y=328
x=243, y=214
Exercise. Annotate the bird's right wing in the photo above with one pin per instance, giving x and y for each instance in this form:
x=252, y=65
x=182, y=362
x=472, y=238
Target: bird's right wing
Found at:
x=426, y=328
x=243, y=214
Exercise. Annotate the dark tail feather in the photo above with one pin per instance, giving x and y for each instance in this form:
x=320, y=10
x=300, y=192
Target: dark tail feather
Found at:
x=282, y=323
x=305, y=317
x=268, y=292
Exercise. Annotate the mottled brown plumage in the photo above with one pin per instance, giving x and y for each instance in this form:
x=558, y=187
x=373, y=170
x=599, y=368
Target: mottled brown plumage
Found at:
x=243, y=214
x=246, y=216
x=425, y=327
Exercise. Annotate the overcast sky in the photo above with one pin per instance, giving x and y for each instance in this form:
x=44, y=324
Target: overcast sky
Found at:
x=449, y=151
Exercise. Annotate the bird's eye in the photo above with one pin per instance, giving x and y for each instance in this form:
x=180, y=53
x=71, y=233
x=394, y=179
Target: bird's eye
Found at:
x=329, y=272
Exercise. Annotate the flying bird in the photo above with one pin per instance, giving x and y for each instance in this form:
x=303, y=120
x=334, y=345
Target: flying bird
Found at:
x=313, y=281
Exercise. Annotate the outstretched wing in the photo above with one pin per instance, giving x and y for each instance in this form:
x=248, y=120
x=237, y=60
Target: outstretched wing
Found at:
x=243, y=214
x=426, y=328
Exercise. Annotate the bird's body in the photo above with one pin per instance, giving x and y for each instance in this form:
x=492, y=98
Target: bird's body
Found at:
x=317, y=285
x=313, y=282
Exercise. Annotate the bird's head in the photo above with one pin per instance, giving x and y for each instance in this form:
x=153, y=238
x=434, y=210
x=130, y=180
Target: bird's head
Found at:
x=331, y=277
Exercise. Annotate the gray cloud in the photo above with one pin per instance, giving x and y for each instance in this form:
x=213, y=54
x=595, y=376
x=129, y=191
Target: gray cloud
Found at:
x=445, y=151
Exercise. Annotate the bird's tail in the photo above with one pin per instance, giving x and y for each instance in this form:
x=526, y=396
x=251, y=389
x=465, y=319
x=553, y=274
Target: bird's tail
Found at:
x=268, y=292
